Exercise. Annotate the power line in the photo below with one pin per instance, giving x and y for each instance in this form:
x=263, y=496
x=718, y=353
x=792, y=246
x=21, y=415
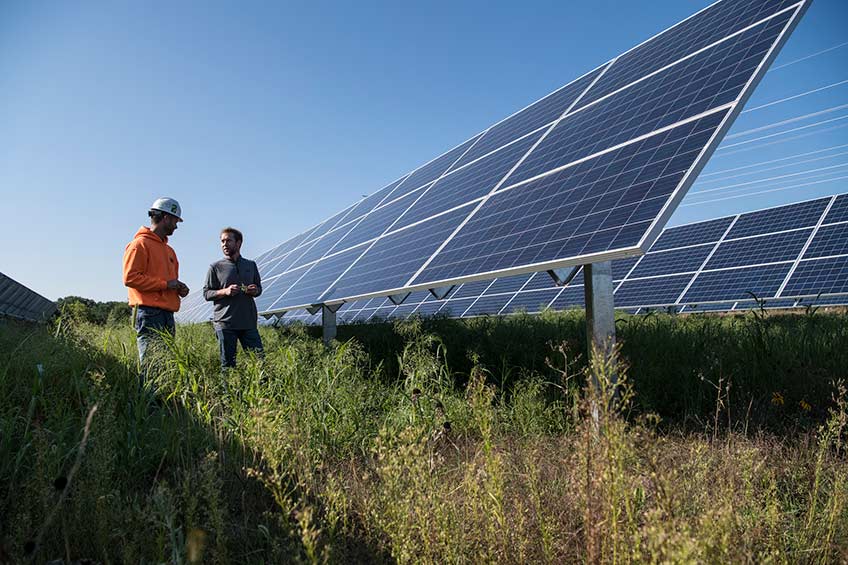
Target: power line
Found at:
x=816, y=54
x=763, y=191
x=774, y=160
x=787, y=121
x=783, y=132
x=793, y=138
x=758, y=171
x=788, y=98
x=770, y=179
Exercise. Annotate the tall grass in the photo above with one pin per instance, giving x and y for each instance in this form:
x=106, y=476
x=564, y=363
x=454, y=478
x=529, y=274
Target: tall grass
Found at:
x=430, y=441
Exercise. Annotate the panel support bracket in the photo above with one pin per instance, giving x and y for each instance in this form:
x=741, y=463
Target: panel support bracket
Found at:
x=440, y=293
x=562, y=277
x=397, y=299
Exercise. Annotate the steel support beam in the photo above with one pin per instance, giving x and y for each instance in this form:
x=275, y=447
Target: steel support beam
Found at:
x=328, y=323
x=600, y=311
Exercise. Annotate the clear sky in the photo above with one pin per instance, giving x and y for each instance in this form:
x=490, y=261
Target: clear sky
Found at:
x=271, y=116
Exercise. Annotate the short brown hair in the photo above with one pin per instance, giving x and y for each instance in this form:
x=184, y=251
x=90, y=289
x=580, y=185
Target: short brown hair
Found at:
x=234, y=232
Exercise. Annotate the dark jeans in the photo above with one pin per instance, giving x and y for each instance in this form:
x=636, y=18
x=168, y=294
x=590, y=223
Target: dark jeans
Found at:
x=250, y=341
x=149, y=323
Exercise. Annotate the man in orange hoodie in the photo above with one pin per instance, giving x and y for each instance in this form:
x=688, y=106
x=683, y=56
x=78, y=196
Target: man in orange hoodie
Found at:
x=151, y=272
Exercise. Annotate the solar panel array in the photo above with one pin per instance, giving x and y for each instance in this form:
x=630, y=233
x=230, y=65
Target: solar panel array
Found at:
x=783, y=257
x=18, y=301
x=589, y=173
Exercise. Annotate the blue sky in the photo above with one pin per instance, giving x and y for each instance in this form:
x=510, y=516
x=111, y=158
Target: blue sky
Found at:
x=271, y=116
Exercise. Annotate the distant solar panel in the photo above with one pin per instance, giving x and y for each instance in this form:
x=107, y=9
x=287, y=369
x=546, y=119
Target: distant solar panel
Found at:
x=18, y=301
x=589, y=173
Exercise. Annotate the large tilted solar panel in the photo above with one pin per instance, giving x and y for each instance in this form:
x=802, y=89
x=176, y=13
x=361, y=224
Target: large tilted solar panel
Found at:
x=787, y=256
x=728, y=261
x=589, y=173
x=18, y=301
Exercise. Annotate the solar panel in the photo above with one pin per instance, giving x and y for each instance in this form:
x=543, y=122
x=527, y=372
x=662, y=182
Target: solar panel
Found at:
x=716, y=272
x=589, y=173
x=691, y=268
x=18, y=301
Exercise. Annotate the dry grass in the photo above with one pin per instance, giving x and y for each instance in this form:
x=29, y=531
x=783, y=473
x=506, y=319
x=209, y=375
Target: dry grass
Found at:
x=321, y=456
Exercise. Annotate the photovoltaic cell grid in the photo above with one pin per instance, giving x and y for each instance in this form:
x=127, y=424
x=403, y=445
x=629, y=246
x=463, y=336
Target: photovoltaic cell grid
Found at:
x=588, y=173
x=789, y=256
x=678, y=262
x=18, y=301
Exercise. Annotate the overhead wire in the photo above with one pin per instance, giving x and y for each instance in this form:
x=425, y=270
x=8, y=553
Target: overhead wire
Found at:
x=770, y=161
x=809, y=172
x=685, y=205
x=767, y=169
x=795, y=96
x=787, y=121
x=719, y=153
x=771, y=135
x=816, y=54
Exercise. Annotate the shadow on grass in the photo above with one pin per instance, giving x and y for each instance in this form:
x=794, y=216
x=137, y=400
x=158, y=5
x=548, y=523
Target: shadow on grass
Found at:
x=162, y=478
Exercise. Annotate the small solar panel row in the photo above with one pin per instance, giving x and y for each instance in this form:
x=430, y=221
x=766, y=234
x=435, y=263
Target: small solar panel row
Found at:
x=18, y=301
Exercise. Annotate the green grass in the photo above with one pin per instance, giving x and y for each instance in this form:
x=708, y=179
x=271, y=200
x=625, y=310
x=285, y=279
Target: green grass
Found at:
x=431, y=441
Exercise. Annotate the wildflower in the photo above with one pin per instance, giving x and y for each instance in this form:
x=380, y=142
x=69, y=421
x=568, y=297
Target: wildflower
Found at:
x=805, y=406
x=777, y=399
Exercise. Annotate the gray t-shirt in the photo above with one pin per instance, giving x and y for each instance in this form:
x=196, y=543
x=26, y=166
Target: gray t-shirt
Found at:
x=232, y=312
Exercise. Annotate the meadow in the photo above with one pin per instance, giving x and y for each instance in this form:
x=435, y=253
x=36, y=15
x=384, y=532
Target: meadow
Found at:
x=430, y=441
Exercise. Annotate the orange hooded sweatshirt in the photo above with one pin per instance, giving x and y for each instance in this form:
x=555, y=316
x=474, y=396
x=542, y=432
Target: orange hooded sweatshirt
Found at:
x=149, y=263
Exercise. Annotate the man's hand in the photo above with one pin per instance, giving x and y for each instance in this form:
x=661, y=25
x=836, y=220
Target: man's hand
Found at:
x=252, y=290
x=179, y=286
x=231, y=290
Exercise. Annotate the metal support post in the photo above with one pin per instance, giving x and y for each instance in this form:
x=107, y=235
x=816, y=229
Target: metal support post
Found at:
x=600, y=311
x=328, y=323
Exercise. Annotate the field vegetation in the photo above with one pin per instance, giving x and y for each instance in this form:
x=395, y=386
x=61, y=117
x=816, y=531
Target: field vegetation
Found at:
x=430, y=441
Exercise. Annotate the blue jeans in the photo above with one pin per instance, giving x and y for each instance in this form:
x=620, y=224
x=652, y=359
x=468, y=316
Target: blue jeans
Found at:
x=227, y=340
x=149, y=321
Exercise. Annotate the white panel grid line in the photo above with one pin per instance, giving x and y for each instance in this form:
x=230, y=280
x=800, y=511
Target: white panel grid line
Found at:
x=516, y=294
x=506, y=176
x=800, y=257
x=639, y=260
x=688, y=56
x=707, y=259
x=396, y=220
x=671, y=204
x=791, y=14
x=479, y=296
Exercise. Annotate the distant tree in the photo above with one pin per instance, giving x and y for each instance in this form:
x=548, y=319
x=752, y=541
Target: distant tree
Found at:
x=88, y=310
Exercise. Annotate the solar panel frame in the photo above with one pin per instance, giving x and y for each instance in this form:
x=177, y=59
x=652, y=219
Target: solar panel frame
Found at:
x=616, y=247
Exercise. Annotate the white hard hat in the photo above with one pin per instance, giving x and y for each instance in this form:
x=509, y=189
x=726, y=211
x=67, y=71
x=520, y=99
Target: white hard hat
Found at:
x=169, y=206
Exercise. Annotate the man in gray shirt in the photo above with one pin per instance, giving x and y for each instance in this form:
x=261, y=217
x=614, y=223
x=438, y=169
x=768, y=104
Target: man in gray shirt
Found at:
x=232, y=283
